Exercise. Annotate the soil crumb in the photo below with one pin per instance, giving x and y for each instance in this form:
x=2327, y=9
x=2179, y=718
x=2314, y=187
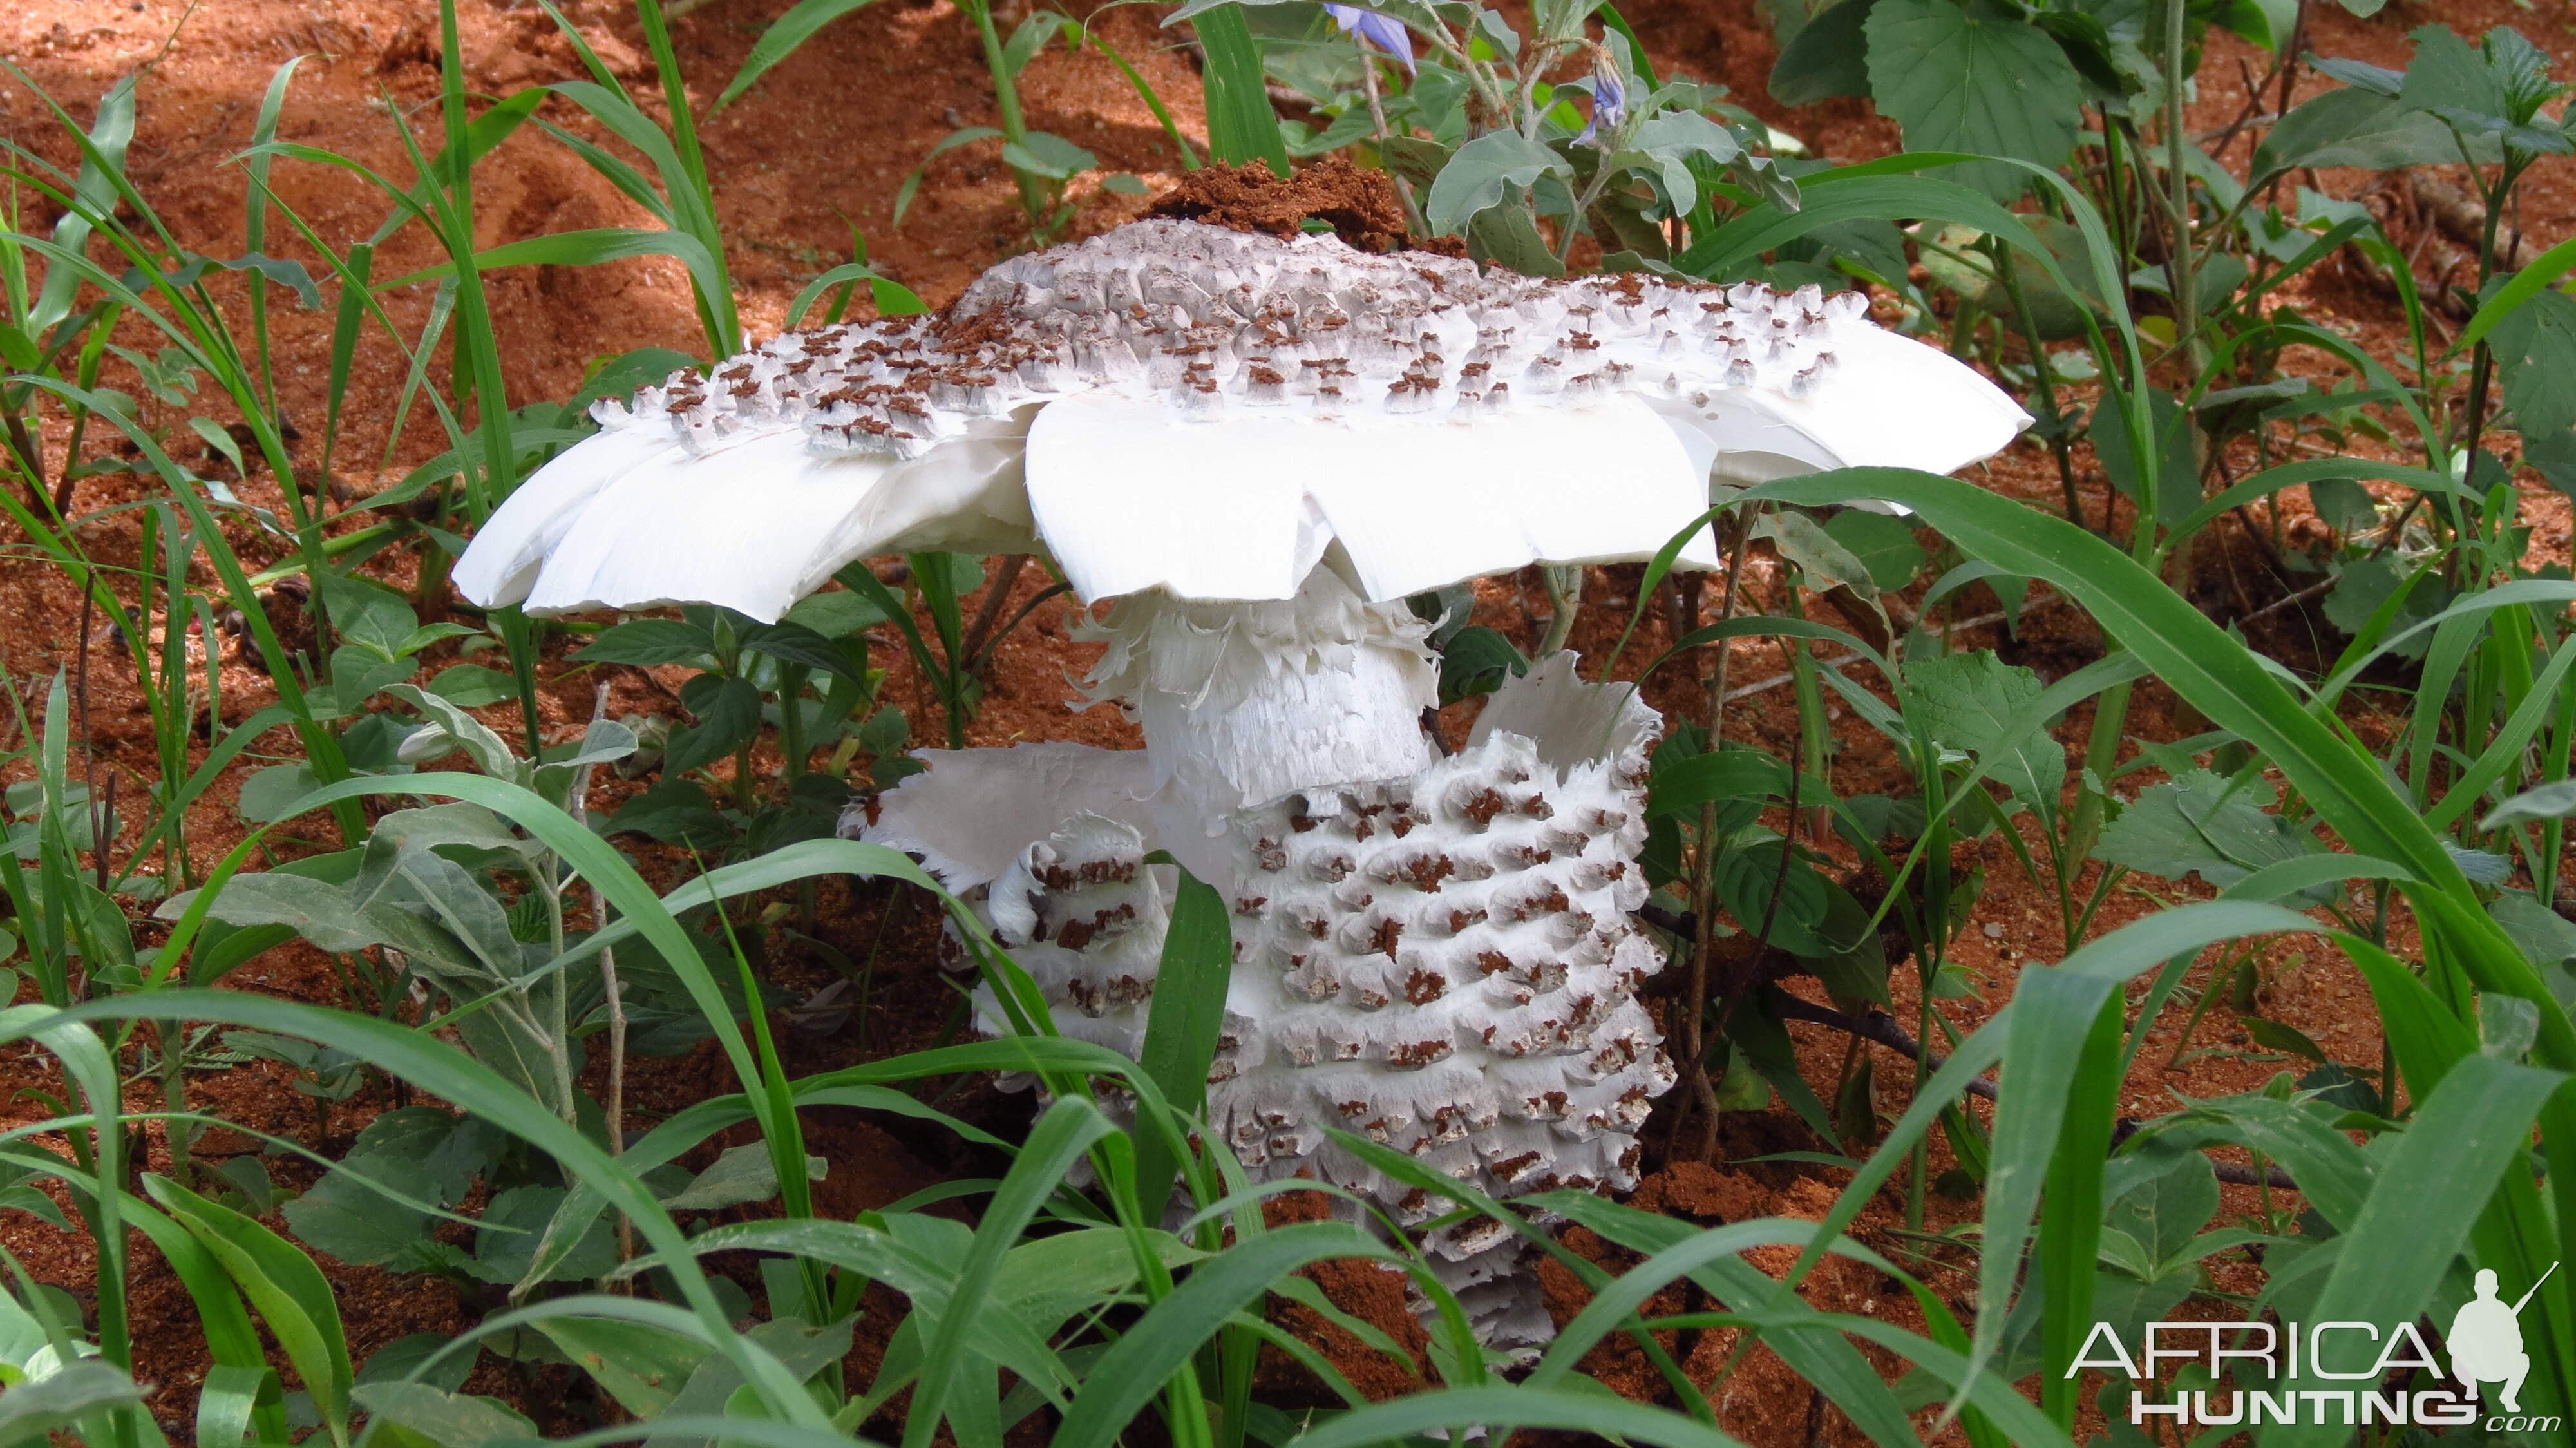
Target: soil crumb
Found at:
x=1360, y=206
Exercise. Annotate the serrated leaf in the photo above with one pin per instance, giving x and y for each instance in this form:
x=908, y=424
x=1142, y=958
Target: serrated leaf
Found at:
x=356, y=1224
x=648, y=642
x=2448, y=73
x=267, y=794
x=1829, y=56
x=505, y=1253
x=1967, y=701
x=2535, y=348
x=1884, y=545
x=1975, y=78
x=2199, y=825
x=728, y=717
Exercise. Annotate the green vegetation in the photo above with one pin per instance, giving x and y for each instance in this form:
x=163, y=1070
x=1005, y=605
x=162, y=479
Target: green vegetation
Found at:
x=492, y=936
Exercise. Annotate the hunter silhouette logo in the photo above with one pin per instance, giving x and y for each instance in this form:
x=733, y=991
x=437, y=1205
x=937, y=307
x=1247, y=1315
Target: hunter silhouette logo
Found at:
x=2345, y=1374
x=2486, y=1341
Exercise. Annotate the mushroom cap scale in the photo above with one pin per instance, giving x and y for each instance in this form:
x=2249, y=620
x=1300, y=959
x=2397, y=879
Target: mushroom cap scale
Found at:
x=1201, y=411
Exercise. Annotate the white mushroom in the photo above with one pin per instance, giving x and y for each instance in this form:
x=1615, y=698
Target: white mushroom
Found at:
x=1259, y=448
x=1186, y=416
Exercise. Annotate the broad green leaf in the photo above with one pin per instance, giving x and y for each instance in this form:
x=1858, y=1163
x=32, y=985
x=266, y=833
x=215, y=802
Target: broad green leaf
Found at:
x=319, y=911
x=1049, y=155
x=1481, y=174
x=516, y=1221
x=448, y=1420
x=368, y=613
x=1508, y=237
x=57, y=1402
x=2344, y=505
x=266, y=793
x=356, y=1224
x=728, y=713
x=1829, y=56
x=1969, y=701
x=2352, y=127
x=2177, y=484
x=2163, y=1215
x=2055, y=315
x=1731, y=773
x=2541, y=802
x=741, y=1174
x=647, y=642
x=835, y=613
x=2546, y=937
x=2201, y=824
x=1977, y=78
x=2535, y=348
x=2447, y=74
x=641, y=1366
x=1807, y=546
x=1886, y=546
x=1475, y=661
x=403, y=1357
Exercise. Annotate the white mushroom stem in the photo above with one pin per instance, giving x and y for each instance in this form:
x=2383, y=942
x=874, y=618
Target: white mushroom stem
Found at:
x=1243, y=703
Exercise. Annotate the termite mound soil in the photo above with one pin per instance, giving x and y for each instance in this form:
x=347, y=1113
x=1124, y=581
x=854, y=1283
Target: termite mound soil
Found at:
x=1360, y=206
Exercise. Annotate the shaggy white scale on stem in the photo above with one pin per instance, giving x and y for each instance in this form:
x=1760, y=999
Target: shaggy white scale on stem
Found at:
x=1441, y=962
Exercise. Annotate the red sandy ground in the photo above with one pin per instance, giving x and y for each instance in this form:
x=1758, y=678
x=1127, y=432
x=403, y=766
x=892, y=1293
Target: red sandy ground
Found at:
x=814, y=150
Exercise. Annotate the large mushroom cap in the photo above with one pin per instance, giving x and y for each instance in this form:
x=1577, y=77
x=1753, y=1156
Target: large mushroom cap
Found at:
x=1207, y=412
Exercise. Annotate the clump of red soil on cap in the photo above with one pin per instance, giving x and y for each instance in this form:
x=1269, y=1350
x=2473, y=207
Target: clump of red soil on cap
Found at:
x=1358, y=204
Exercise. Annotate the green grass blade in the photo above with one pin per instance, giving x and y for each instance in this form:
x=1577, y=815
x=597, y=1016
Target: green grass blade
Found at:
x=471, y=1087
x=2470, y=1132
x=780, y=40
x=1241, y=125
x=1182, y=1023
x=1060, y=1139
x=292, y=1295
x=1161, y=1343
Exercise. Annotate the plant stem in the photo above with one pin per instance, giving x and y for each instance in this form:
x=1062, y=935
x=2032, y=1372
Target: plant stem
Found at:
x=1565, y=593
x=1006, y=100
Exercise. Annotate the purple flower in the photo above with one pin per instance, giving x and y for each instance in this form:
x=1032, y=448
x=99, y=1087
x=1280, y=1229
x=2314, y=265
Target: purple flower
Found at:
x=1609, y=99
x=1370, y=28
